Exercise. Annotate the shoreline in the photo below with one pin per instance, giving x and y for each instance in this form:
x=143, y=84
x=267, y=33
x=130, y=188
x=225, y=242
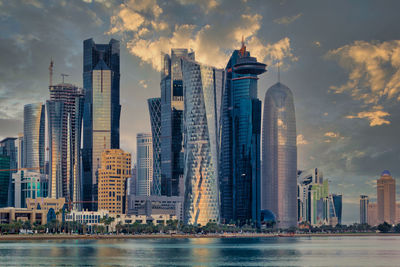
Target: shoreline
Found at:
x=15, y=237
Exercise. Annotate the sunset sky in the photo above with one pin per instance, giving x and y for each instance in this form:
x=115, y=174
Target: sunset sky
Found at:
x=341, y=59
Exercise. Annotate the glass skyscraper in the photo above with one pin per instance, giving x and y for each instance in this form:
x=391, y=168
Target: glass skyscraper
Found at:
x=4, y=180
x=101, y=77
x=64, y=113
x=203, y=87
x=240, y=140
x=279, y=170
x=172, y=123
x=364, y=201
x=8, y=148
x=155, y=120
x=34, y=136
x=144, y=165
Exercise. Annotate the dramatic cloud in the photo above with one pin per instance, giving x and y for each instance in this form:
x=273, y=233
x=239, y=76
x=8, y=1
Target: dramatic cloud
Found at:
x=287, y=20
x=374, y=76
x=149, y=35
x=375, y=117
x=301, y=140
x=143, y=83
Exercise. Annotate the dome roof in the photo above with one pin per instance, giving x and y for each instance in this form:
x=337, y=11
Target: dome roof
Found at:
x=386, y=172
x=267, y=216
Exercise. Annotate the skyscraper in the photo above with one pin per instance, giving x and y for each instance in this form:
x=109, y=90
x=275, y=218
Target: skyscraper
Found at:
x=102, y=110
x=64, y=113
x=240, y=139
x=4, y=180
x=313, y=196
x=335, y=209
x=115, y=170
x=386, y=198
x=279, y=155
x=144, y=165
x=155, y=120
x=8, y=148
x=203, y=86
x=34, y=136
x=20, y=153
x=172, y=123
x=364, y=209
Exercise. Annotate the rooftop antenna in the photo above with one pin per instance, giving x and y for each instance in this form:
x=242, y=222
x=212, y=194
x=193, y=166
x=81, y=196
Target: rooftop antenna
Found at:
x=51, y=72
x=279, y=71
x=63, y=75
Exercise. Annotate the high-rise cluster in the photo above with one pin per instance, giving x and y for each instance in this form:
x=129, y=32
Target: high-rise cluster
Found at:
x=203, y=153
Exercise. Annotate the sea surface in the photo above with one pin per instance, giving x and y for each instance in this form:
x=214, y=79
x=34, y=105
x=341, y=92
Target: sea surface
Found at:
x=284, y=251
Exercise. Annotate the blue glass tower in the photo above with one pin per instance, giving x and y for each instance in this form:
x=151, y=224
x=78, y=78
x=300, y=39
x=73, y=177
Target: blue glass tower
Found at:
x=8, y=148
x=240, y=140
x=101, y=77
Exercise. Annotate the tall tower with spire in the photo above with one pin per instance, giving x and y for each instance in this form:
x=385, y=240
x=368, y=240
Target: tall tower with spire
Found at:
x=240, y=140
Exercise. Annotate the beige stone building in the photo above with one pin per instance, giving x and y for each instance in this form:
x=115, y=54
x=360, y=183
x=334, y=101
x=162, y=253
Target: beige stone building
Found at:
x=386, y=198
x=372, y=213
x=115, y=169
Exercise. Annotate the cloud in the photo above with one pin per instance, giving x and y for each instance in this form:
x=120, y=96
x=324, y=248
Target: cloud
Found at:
x=317, y=43
x=287, y=20
x=143, y=83
x=154, y=34
x=332, y=135
x=376, y=116
x=301, y=140
x=374, y=70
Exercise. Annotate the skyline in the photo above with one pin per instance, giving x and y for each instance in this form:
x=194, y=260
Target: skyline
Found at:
x=334, y=140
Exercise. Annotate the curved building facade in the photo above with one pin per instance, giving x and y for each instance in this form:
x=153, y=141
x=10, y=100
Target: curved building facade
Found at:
x=279, y=150
x=144, y=163
x=202, y=92
x=34, y=136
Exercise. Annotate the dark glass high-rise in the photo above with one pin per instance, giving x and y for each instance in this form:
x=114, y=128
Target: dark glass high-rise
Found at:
x=101, y=117
x=240, y=140
x=172, y=123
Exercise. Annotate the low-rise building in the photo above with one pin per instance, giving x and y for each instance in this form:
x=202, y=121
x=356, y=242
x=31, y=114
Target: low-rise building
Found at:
x=10, y=214
x=151, y=205
x=54, y=207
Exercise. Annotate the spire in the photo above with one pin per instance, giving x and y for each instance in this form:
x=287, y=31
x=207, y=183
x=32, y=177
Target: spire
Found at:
x=51, y=72
x=279, y=72
x=242, y=51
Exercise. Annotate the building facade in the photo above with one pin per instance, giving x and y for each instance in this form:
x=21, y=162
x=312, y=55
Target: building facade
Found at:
x=313, y=198
x=372, y=213
x=144, y=164
x=4, y=180
x=101, y=117
x=8, y=148
x=151, y=205
x=240, y=140
x=34, y=136
x=335, y=209
x=29, y=184
x=115, y=170
x=279, y=155
x=386, y=198
x=172, y=105
x=203, y=87
x=64, y=113
x=364, y=201
x=155, y=121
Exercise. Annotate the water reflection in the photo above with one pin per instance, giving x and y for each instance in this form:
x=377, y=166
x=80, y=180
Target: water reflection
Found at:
x=322, y=251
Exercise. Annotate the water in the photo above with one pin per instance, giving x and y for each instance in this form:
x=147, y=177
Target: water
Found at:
x=289, y=251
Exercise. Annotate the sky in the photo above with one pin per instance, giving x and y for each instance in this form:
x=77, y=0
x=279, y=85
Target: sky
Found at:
x=341, y=60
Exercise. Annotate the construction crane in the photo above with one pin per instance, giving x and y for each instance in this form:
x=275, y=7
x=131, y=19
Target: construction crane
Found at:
x=22, y=169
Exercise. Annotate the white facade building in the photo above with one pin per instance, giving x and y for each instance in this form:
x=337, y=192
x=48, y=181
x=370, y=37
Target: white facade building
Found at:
x=144, y=165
